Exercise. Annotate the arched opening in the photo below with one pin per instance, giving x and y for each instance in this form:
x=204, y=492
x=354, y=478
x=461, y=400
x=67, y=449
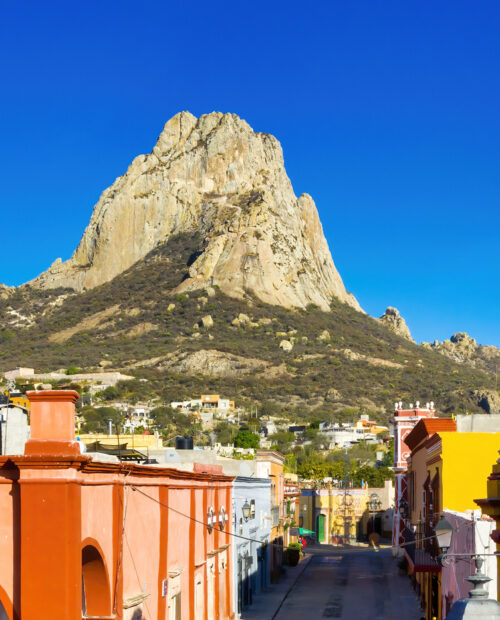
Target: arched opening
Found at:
x=3, y=614
x=96, y=599
x=6, y=610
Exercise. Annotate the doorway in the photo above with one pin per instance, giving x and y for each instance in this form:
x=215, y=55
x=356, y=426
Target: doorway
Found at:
x=320, y=528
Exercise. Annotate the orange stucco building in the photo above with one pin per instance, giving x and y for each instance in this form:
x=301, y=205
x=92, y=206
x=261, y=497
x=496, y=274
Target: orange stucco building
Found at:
x=87, y=538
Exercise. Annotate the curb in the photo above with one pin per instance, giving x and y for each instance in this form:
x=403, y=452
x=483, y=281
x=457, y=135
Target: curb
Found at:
x=305, y=562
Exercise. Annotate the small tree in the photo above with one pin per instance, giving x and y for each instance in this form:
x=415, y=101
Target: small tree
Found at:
x=246, y=439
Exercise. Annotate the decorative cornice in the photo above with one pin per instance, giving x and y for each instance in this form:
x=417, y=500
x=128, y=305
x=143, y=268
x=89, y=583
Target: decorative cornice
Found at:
x=51, y=396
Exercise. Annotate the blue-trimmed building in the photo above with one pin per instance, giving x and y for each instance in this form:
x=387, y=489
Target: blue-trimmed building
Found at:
x=251, y=552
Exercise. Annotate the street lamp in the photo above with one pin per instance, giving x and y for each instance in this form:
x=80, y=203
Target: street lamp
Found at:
x=374, y=504
x=403, y=509
x=245, y=509
x=443, y=531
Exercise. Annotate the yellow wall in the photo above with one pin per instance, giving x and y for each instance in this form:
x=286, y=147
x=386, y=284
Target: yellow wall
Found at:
x=467, y=459
x=20, y=401
x=331, y=506
x=278, y=498
x=132, y=441
x=305, y=510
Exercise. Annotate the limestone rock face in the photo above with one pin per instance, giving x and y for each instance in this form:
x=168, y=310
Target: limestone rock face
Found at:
x=207, y=321
x=488, y=400
x=213, y=363
x=463, y=348
x=394, y=321
x=213, y=175
x=460, y=347
x=5, y=291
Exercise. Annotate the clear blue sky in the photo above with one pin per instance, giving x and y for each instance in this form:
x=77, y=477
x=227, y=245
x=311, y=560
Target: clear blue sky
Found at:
x=388, y=113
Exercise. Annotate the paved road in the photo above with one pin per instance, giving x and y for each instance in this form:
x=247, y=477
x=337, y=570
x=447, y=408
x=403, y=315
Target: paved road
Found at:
x=351, y=584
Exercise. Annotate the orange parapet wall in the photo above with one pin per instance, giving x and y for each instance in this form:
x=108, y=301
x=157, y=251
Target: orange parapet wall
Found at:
x=52, y=422
x=108, y=539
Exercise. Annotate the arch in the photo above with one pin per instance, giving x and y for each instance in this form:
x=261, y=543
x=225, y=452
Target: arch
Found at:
x=6, y=608
x=96, y=595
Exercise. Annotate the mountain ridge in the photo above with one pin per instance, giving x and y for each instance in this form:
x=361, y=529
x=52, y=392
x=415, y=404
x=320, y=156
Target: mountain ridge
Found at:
x=215, y=175
x=334, y=362
x=200, y=268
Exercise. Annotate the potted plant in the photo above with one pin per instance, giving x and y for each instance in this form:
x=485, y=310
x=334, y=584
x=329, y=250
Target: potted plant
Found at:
x=293, y=553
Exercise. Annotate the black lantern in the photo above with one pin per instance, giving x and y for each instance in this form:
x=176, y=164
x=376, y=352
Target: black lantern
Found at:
x=374, y=503
x=403, y=508
x=245, y=509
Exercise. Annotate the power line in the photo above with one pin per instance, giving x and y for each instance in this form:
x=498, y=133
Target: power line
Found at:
x=157, y=501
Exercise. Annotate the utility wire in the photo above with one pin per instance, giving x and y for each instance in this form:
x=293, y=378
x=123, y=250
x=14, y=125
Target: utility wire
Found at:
x=157, y=501
x=120, y=555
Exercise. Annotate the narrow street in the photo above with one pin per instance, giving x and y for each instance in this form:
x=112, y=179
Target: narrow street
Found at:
x=350, y=584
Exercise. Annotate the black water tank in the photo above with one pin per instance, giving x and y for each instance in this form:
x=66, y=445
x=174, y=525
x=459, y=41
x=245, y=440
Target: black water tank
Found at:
x=184, y=443
x=180, y=443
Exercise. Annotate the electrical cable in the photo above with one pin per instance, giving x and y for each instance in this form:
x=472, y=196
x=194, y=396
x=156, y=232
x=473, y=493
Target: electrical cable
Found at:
x=145, y=601
x=120, y=556
x=157, y=501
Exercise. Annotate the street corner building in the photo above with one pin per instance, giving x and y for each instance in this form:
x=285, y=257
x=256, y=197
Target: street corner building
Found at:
x=82, y=538
x=444, y=478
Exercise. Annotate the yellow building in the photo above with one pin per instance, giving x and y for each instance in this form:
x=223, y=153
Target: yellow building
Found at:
x=447, y=470
x=368, y=426
x=20, y=400
x=273, y=464
x=131, y=442
x=333, y=514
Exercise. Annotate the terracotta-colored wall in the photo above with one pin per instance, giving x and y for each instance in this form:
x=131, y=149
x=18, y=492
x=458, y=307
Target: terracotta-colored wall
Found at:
x=8, y=533
x=54, y=502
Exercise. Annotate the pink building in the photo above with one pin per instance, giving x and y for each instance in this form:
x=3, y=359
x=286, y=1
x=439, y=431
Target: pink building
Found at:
x=404, y=422
x=104, y=540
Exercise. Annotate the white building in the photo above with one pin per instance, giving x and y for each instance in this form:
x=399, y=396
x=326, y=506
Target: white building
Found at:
x=207, y=403
x=19, y=372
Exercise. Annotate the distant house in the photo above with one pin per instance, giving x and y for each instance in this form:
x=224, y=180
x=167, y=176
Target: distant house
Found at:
x=297, y=430
x=20, y=400
x=207, y=403
x=349, y=433
x=19, y=372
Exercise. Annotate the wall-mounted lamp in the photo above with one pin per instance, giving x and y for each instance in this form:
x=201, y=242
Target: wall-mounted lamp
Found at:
x=443, y=531
x=403, y=508
x=374, y=504
x=245, y=509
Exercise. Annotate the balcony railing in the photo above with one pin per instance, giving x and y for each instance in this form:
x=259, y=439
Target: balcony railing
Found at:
x=419, y=557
